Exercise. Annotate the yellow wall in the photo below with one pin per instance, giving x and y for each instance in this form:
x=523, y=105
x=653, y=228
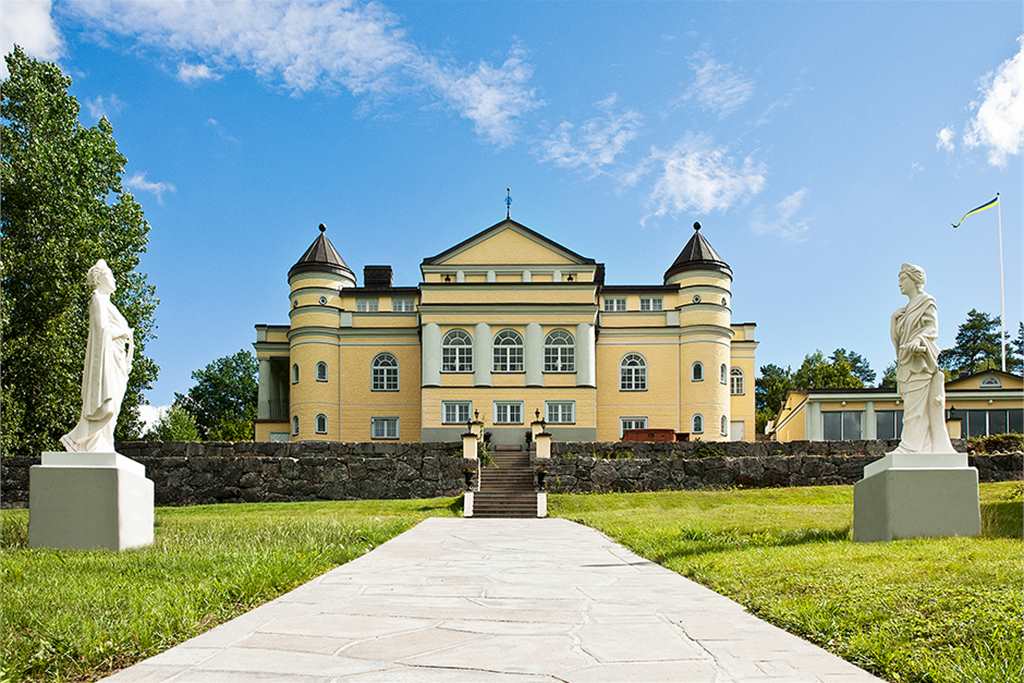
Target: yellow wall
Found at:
x=533, y=399
x=659, y=403
x=508, y=246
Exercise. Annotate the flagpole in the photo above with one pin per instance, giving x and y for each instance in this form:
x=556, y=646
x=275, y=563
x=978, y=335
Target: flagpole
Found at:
x=1002, y=287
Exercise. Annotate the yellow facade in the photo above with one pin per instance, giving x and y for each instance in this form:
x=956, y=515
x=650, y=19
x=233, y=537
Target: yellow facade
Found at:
x=506, y=326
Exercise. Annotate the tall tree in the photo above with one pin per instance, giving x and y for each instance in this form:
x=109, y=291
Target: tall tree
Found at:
x=770, y=391
x=64, y=207
x=177, y=424
x=858, y=363
x=977, y=345
x=1015, y=351
x=223, y=399
x=889, y=378
x=819, y=372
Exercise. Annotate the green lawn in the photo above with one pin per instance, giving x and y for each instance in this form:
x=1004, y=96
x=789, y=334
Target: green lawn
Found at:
x=922, y=610
x=80, y=615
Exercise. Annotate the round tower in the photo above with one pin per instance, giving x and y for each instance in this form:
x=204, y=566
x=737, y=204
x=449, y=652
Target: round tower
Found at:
x=705, y=320
x=316, y=283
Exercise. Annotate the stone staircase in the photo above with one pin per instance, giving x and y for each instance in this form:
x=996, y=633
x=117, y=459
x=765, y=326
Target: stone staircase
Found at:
x=506, y=485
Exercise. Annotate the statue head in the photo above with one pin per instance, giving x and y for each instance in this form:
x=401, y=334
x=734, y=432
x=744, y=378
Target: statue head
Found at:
x=101, y=278
x=912, y=279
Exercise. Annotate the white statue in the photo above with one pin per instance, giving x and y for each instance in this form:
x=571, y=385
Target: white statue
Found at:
x=919, y=379
x=108, y=360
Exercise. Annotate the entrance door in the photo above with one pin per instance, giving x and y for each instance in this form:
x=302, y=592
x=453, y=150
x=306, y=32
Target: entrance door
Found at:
x=736, y=430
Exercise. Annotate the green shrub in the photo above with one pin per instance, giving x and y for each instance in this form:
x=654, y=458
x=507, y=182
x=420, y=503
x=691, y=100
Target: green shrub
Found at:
x=996, y=443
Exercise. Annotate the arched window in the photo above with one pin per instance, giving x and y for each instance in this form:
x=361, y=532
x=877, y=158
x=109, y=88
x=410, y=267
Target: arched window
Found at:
x=698, y=424
x=321, y=372
x=295, y=425
x=295, y=373
x=736, y=382
x=633, y=373
x=723, y=373
x=725, y=425
x=559, y=352
x=384, y=373
x=321, y=424
x=697, y=372
x=508, y=351
x=457, y=352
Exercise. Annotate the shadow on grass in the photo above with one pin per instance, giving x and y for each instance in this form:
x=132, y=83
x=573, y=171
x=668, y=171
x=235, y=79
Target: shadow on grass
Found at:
x=1002, y=520
x=702, y=541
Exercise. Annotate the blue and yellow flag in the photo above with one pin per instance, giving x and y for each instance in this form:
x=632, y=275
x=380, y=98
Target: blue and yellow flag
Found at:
x=987, y=205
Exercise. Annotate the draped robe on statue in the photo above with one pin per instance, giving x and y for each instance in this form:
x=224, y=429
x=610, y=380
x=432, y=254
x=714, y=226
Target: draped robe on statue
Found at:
x=920, y=381
x=104, y=378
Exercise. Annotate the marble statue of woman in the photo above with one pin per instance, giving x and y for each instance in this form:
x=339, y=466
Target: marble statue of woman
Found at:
x=919, y=379
x=108, y=360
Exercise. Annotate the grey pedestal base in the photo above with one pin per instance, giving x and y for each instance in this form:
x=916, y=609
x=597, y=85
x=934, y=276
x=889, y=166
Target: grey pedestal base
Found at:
x=89, y=501
x=916, y=496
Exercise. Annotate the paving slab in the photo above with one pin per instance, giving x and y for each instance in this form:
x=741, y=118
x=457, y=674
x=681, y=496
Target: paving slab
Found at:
x=506, y=600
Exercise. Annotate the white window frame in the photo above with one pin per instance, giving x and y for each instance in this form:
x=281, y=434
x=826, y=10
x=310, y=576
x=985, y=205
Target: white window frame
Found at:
x=316, y=423
x=560, y=357
x=693, y=424
x=724, y=426
x=572, y=412
x=651, y=303
x=737, y=382
x=614, y=304
x=321, y=377
x=385, y=419
x=507, y=357
x=403, y=304
x=460, y=358
x=295, y=373
x=367, y=304
x=991, y=383
x=723, y=374
x=498, y=405
x=384, y=372
x=693, y=371
x=295, y=425
x=635, y=372
x=635, y=418
x=456, y=405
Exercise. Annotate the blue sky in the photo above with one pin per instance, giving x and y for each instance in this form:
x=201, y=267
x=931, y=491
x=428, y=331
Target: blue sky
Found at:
x=820, y=144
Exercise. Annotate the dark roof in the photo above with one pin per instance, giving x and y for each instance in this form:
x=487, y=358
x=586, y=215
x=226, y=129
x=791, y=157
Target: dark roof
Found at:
x=530, y=231
x=636, y=288
x=321, y=256
x=381, y=290
x=697, y=254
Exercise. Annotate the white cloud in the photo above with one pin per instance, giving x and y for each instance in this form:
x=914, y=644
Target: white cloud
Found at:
x=696, y=176
x=150, y=414
x=998, y=123
x=717, y=87
x=944, y=139
x=599, y=140
x=326, y=45
x=104, y=106
x=784, y=221
x=28, y=23
x=916, y=167
x=157, y=188
x=196, y=73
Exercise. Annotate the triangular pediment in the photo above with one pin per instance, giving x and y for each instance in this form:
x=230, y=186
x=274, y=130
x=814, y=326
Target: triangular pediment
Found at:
x=987, y=379
x=508, y=243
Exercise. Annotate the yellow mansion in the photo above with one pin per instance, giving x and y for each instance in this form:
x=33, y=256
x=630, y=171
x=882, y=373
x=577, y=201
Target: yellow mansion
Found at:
x=504, y=326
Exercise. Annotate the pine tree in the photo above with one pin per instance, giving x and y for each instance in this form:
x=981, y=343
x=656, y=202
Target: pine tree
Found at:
x=977, y=345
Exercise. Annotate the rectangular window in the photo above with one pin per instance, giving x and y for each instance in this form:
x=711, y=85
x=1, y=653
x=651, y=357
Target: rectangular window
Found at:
x=508, y=358
x=976, y=423
x=631, y=423
x=402, y=304
x=650, y=303
x=1016, y=419
x=366, y=304
x=384, y=427
x=997, y=422
x=508, y=412
x=614, y=304
x=560, y=412
x=455, y=412
x=842, y=425
x=888, y=424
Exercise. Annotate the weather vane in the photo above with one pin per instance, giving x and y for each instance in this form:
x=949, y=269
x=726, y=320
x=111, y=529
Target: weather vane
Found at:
x=508, y=202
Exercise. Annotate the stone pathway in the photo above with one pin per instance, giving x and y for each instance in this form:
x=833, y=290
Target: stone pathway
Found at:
x=512, y=600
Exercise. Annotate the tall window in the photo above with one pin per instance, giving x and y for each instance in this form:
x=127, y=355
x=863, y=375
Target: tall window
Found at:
x=321, y=424
x=455, y=412
x=633, y=373
x=698, y=424
x=631, y=423
x=888, y=424
x=508, y=412
x=842, y=425
x=736, y=382
x=723, y=374
x=295, y=373
x=697, y=372
x=559, y=352
x=508, y=351
x=650, y=303
x=457, y=352
x=295, y=424
x=614, y=304
x=725, y=426
x=321, y=372
x=366, y=304
x=384, y=427
x=384, y=373
x=560, y=412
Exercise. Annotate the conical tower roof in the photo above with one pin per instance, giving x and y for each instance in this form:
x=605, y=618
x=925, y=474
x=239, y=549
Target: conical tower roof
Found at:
x=321, y=256
x=697, y=254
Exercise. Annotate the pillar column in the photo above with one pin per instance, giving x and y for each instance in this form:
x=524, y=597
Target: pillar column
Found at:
x=814, y=427
x=430, y=361
x=263, y=391
x=869, y=430
x=534, y=355
x=585, y=355
x=482, y=355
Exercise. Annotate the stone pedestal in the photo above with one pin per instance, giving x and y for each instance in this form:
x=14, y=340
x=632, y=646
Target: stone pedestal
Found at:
x=916, y=495
x=89, y=501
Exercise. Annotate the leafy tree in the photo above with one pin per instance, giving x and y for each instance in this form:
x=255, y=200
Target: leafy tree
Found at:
x=819, y=372
x=858, y=363
x=177, y=424
x=770, y=391
x=977, y=345
x=64, y=207
x=889, y=378
x=223, y=399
